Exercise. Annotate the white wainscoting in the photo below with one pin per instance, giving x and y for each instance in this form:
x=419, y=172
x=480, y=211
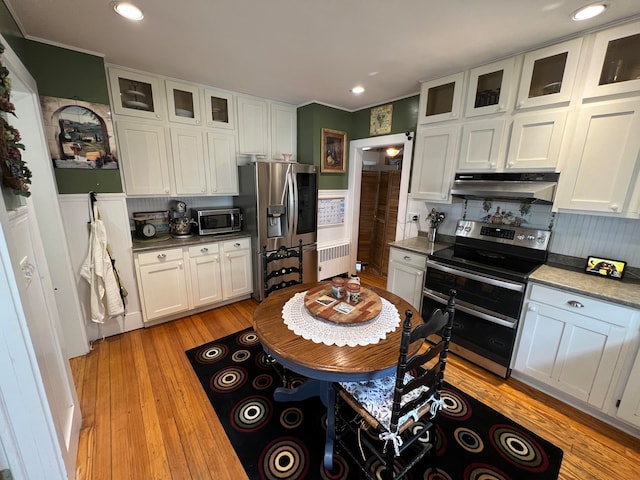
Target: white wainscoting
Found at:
x=113, y=211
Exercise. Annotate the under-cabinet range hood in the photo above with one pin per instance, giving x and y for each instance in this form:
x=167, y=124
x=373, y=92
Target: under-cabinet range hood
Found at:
x=533, y=187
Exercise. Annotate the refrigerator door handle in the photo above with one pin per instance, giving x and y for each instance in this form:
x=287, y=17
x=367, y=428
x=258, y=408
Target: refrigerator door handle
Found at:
x=295, y=213
x=293, y=203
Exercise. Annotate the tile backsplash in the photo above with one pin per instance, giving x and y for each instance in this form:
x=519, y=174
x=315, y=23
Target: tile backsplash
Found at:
x=572, y=234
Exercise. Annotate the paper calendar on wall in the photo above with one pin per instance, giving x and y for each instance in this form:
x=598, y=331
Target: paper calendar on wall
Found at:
x=331, y=211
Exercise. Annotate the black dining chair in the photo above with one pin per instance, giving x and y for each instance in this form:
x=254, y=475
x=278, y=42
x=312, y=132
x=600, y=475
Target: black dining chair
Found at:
x=271, y=272
x=391, y=420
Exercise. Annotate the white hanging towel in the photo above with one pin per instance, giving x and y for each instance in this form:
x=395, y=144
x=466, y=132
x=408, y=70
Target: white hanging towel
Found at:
x=97, y=269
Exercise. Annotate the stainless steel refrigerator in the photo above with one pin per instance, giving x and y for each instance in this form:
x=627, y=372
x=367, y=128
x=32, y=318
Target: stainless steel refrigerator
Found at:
x=279, y=202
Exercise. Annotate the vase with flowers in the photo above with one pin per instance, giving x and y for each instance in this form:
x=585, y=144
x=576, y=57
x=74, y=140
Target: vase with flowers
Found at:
x=434, y=220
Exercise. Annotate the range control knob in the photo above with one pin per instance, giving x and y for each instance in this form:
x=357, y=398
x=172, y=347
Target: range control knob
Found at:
x=531, y=237
x=520, y=237
x=467, y=228
x=541, y=239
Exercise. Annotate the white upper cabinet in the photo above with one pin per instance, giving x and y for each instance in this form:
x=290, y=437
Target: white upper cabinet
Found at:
x=536, y=139
x=548, y=75
x=602, y=162
x=283, y=130
x=480, y=148
x=219, y=107
x=189, y=165
x=441, y=99
x=253, y=125
x=223, y=165
x=136, y=95
x=145, y=164
x=615, y=62
x=434, y=162
x=183, y=103
x=490, y=88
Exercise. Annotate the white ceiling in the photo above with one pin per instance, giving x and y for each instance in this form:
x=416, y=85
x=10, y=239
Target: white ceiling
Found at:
x=299, y=51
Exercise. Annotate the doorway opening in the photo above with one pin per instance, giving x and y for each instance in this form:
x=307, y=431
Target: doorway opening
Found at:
x=379, y=184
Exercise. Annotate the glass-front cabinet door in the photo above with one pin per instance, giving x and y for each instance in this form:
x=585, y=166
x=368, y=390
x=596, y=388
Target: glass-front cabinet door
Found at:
x=135, y=94
x=615, y=63
x=440, y=100
x=219, y=109
x=183, y=103
x=548, y=75
x=489, y=88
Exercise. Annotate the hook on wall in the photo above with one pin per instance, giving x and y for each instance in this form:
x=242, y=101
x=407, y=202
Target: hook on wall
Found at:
x=408, y=134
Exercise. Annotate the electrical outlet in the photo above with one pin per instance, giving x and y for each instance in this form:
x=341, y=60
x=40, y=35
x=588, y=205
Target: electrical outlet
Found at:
x=412, y=217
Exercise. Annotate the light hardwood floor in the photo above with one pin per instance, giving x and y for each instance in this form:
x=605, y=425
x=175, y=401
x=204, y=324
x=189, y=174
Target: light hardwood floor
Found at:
x=145, y=415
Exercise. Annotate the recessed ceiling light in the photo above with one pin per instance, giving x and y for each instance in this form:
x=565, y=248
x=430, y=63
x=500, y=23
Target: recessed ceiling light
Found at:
x=128, y=10
x=589, y=11
x=357, y=90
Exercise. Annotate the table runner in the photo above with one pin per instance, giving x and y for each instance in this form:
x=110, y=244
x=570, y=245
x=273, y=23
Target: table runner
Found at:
x=301, y=322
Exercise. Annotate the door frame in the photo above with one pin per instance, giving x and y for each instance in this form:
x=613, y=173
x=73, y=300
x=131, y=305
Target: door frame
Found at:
x=356, y=149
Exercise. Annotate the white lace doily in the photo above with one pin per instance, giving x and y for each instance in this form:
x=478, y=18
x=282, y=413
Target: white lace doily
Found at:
x=301, y=322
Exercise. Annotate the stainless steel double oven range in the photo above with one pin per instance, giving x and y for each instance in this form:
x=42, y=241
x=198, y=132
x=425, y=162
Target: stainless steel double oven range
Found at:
x=488, y=266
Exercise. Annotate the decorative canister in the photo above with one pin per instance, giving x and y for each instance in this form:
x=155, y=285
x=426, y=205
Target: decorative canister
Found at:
x=337, y=287
x=354, y=279
x=353, y=293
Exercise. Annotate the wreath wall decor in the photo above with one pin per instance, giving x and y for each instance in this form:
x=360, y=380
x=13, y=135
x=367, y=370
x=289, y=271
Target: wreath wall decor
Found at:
x=15, y=173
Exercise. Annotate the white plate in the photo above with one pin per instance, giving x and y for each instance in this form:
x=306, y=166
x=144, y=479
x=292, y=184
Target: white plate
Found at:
x=136, y=104
x=135, y=93
x=180, y=112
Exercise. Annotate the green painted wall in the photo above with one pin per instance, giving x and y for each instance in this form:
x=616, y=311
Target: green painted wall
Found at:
x=312, y=119
x=82, y=78
x=403, y=119
x=10, y=31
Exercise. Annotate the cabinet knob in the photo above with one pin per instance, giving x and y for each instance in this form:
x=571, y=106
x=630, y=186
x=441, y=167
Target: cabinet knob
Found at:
x=454, y=115
x=197, y=122
x=533, y=307
x=180, y=265
x=157, y=115
x=511, y=164
x=614, y=207
x=501, y=107
x=166, y=190
x=492, y=164
x=575, y=304
x=203, y=190
x=520, y=104
x=162, y=256
x=204, y=249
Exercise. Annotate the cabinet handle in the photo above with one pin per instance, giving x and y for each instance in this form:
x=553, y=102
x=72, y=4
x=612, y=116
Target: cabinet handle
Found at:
x=204, y=249
x=162, y=256
x=575, y=304
x=407, y=258
x=236, y=245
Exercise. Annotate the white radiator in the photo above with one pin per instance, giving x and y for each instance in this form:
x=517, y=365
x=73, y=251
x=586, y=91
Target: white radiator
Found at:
x=333, y=260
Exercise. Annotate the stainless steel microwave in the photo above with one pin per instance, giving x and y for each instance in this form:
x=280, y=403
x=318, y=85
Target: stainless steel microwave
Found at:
x=214, y=221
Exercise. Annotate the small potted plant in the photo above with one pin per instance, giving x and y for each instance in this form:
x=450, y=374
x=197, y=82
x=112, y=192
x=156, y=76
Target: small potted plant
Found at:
x=434, y=218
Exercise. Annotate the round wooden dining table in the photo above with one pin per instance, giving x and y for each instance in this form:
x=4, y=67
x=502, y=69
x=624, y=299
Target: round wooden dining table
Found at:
x=324, y=364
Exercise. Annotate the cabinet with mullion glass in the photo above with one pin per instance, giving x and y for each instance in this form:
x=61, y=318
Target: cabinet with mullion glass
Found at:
x=615, y=62
x=489, y=88
x=441, y=99
x=136, y=95
x=548, y=75
x=183, y=102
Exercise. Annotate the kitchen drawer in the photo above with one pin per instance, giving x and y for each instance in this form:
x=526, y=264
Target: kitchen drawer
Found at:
x=237, y=244
x=583, y=305
x=160, y=256
x=205, y=249
x=410, y=258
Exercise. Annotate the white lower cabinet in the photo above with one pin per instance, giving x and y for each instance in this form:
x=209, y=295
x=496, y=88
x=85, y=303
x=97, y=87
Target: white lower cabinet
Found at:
x=162, y=282
x=204, y=270
x=236, y=268
x=629, y=407
x=406, y=275
x=575, y=344
x=176, y=280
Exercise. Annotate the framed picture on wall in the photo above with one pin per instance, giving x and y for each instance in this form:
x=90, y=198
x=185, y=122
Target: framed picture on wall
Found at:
x=333, y=155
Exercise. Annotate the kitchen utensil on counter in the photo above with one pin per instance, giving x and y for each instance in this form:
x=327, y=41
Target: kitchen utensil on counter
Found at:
x=180, y=223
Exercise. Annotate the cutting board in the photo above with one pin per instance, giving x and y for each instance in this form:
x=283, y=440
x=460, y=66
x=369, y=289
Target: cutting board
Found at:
x=368, y=308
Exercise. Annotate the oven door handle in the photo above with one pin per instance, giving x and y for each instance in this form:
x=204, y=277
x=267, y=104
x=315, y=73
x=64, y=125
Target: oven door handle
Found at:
x=518, y=287
x=470, y=311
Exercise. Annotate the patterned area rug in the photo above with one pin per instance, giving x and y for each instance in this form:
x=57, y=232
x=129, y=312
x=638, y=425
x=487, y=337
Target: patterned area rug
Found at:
x=281, y=441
